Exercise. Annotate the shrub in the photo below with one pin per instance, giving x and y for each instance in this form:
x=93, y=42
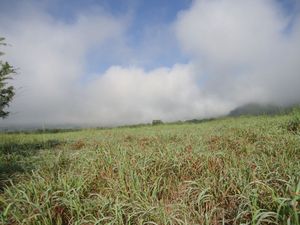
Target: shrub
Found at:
x=294, y=123
x=157, y=122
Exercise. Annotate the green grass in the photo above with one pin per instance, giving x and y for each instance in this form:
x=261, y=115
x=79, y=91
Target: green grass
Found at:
x=228, y=171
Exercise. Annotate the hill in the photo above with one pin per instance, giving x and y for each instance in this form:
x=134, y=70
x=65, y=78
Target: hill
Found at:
x=242, y=170
x=257, y=109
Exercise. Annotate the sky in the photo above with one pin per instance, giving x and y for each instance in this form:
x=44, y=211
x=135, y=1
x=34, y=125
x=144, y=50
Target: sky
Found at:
x=116, y=62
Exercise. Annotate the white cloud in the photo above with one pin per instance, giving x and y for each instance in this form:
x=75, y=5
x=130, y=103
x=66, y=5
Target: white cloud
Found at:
x=240, y=51
x=131, y=95
x=50, y=55
x=245, y=48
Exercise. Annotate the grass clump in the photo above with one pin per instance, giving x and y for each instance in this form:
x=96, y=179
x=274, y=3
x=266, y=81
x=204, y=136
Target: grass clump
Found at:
x=294, y=123
x=229, y=171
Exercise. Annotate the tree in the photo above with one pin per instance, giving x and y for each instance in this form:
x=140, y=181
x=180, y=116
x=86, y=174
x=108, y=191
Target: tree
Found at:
x=7, y=91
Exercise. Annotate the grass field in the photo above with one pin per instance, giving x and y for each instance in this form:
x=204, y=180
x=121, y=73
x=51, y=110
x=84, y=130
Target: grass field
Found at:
x=229, y=171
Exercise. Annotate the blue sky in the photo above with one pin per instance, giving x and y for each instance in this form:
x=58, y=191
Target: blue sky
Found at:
x=145, y=11
x=143, y=15
x=110, y=62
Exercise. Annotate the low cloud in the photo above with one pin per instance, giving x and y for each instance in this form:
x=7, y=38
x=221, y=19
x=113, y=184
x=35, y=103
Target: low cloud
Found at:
x=239, y=52
x=131, y=95
x=249, y=50
x=51, y=57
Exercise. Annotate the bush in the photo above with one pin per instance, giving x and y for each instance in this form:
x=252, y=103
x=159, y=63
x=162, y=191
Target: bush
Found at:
x=294, y=123
x=157, y=122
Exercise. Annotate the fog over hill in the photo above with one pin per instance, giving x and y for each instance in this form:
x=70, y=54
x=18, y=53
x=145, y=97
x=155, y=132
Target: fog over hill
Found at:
x=103, y=66
x=258, y=109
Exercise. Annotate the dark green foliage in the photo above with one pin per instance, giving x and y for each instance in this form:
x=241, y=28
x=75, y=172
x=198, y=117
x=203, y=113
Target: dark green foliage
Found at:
x=256, y=109
x=131, y=126
x=28, y=149
x=294, y=123
x=6, y=91
x=199, y=120
x=17, y=157
x=157, y=122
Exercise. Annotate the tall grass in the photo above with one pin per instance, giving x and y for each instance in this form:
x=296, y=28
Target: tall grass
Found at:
x=229, y=171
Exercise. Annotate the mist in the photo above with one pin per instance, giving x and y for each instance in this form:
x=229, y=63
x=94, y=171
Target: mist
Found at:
x=236, y=52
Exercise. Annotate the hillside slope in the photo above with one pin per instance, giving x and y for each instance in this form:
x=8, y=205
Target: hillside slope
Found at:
x=230, y=171
x=257, y=109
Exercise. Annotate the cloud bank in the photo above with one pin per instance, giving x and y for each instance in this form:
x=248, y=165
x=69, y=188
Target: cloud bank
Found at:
x=248, y=49
x=239, y=52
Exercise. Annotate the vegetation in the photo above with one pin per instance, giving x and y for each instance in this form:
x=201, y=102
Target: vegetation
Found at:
x=258, y=109
x=6, y=91
x=200, y=120
x=242, y=170
x=157, y=122
x=294, y=123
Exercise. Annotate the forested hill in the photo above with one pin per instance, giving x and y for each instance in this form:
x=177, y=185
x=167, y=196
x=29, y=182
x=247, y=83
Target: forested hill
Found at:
x=258, y=109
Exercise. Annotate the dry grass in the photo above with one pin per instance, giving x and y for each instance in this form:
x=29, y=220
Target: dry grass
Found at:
x=229, y=171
